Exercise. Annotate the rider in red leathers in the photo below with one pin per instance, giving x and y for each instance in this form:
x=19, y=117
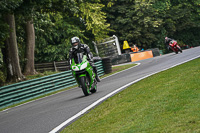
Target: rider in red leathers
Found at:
x=167, y=42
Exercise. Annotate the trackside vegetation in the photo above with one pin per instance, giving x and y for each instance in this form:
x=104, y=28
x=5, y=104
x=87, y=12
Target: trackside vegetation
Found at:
x=165, y=102
x=39, y=31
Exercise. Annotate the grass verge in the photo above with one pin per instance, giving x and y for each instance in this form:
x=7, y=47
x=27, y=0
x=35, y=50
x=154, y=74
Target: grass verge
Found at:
x=114, y=70
x=165, y=102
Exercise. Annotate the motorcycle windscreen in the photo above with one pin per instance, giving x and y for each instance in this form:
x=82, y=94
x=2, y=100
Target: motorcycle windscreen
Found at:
x=79, y=58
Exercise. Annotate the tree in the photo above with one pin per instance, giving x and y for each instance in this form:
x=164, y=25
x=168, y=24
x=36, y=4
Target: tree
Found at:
x=11, y=51
x=53, y=36
x=147, y=22
x=26, y=10
x=30, y=49
x=57, y=25
x=94, y=19
x=180, y=20
x=134, y=21
x=10, y=48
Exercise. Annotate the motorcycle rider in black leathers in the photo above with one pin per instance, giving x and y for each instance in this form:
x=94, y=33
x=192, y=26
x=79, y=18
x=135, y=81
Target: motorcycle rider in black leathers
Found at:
x=77, y=47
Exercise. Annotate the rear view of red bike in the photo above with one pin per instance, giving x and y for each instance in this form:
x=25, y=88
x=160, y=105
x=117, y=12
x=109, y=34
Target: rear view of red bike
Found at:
x=175, y=47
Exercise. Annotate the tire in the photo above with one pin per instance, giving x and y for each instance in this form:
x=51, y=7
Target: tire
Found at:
x=180, y=49
x=84, y=82
x=108, y=70
x=107, y=61
x=108, y=64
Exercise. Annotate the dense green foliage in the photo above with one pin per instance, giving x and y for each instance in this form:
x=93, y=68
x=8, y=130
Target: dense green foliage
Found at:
x=142, y=22
x=6, y=7
x=55, y=22
x=147, y=22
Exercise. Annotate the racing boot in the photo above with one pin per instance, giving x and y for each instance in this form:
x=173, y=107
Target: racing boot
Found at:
x=96, y=77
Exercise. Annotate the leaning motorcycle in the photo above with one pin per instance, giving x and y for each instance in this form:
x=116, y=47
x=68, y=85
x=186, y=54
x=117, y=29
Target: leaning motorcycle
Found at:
x=175, y=47
x=84, y=74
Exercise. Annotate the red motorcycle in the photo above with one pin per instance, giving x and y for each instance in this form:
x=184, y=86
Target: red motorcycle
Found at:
x=175, y=47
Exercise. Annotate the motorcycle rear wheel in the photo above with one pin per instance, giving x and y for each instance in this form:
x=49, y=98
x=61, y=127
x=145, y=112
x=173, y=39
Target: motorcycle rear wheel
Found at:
x=85, y=85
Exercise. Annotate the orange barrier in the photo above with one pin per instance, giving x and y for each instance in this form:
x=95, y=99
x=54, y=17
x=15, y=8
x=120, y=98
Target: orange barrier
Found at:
x=141, y=56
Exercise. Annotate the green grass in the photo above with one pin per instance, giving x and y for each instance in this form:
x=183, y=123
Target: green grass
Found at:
x=39, y=75
x=165, y=102
x=114, y=70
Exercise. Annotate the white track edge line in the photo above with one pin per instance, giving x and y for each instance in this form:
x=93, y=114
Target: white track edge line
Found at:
x=110, y=94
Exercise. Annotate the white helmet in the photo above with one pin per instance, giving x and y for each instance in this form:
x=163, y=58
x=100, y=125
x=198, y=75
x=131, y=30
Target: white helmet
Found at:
x=75, y=40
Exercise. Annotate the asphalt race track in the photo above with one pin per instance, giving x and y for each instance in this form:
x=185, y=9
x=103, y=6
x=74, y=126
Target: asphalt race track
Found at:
x=44, y=115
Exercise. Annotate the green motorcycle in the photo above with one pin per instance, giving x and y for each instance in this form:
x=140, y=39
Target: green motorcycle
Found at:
x=83, y=73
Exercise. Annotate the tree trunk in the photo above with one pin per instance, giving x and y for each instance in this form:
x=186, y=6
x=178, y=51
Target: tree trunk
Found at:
x=12, y=60
x=30, y=49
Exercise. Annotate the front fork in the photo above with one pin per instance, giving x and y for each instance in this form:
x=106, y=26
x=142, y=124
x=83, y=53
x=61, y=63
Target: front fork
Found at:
x=91, y=80
x=178, y=46
x=77, y=78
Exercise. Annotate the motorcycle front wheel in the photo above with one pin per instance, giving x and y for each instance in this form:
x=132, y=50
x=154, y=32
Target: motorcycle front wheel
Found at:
x=85, y=85
x=180, y=49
